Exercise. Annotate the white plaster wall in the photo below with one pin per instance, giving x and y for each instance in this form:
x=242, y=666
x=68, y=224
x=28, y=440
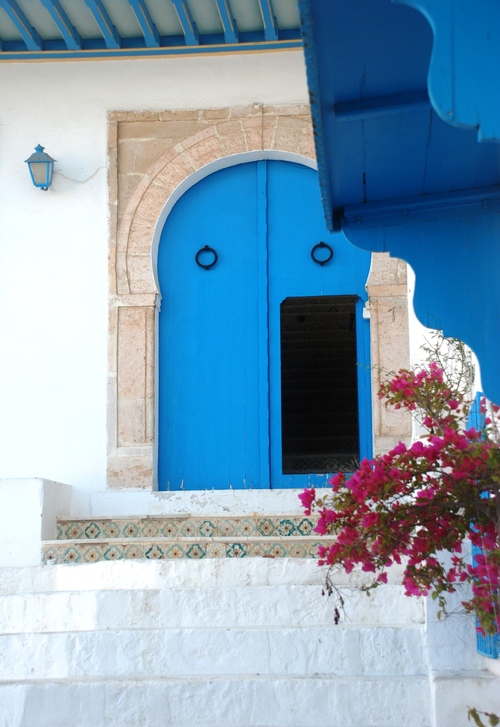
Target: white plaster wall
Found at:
x=53, y=245
x=29, y=509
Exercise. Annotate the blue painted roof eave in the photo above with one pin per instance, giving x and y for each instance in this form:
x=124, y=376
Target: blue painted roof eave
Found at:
x=450, y=237
x=320, y=139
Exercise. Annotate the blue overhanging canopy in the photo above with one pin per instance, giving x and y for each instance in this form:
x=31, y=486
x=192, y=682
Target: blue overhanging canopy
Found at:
x=405, y=99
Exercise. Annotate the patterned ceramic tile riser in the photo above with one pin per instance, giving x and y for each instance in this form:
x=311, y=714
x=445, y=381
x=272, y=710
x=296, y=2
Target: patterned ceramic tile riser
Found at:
x=186, y=527
x=85, y=551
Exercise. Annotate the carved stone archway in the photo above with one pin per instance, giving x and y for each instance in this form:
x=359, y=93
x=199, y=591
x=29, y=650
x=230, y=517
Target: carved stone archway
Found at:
x=140, y=198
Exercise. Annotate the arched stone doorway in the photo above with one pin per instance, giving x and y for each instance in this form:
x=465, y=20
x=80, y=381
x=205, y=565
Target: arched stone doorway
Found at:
x=136, y=220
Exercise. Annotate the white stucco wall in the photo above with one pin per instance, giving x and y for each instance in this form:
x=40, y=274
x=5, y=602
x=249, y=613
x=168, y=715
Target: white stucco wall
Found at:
x=53, y=245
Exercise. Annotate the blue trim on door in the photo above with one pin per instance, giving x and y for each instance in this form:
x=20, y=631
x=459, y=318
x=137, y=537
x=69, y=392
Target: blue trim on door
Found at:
x=263, y=315
x=365, y=412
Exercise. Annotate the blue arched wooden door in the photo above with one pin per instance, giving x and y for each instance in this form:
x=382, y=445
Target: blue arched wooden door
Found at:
x=239, y=400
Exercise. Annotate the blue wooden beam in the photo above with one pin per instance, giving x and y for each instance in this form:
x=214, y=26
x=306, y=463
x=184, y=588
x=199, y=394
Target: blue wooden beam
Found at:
x=108, y=30
x=228, y=22
x=67, y=30
x=187, y=22
x=29, y=34
x=425, y=207
x=270, y=27
x=56, y=50
x=381, y=106
x=149, y=29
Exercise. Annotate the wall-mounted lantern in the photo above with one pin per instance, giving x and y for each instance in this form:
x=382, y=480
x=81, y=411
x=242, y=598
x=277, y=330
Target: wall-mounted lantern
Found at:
x=41, y=167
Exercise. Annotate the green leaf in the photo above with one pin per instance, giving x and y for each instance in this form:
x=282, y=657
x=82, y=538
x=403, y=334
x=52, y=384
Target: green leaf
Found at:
x=473, y=713
x=494, y=720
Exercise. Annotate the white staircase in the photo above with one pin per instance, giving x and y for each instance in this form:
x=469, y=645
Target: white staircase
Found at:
x=215, y=620
x=205, y=643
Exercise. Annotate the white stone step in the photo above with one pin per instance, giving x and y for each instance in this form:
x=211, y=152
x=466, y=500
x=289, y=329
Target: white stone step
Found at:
x=226, y=606
x=177, y=652
x=224, y=701
x=128, y=574
x=206, y=503
x=219, y=643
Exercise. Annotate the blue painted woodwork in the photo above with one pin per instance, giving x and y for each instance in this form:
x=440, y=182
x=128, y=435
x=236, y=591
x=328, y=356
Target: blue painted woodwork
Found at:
x=64, y=25
x=486, y=645
x=228, y=22
x=29, y=34
x=73, y=32
x=270, y=28
x=381, y=140
x=463, y=70
x=397, y=177
x=187, y=22
x=456, y=260
x=101, y=16
x=476, y=418
x=149, y=29
x=219, y=329
x=94, y=48
x=294, y=225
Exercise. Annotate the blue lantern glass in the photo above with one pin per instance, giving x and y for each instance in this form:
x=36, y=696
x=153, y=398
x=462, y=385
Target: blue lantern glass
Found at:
x=41, y=168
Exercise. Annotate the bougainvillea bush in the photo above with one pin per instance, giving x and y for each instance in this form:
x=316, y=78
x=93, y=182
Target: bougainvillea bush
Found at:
x=415, y=502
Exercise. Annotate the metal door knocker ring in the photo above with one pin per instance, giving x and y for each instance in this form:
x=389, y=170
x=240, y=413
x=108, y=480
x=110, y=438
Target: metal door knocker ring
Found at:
x=321, y=246
x=203, y=250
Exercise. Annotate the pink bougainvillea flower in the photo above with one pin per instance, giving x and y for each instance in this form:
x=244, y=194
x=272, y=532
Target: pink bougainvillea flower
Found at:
x=413, y=502
x=307, y=498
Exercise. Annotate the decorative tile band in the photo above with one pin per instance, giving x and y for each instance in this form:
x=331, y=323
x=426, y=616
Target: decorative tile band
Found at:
x=161, y=549
x=187, y=527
